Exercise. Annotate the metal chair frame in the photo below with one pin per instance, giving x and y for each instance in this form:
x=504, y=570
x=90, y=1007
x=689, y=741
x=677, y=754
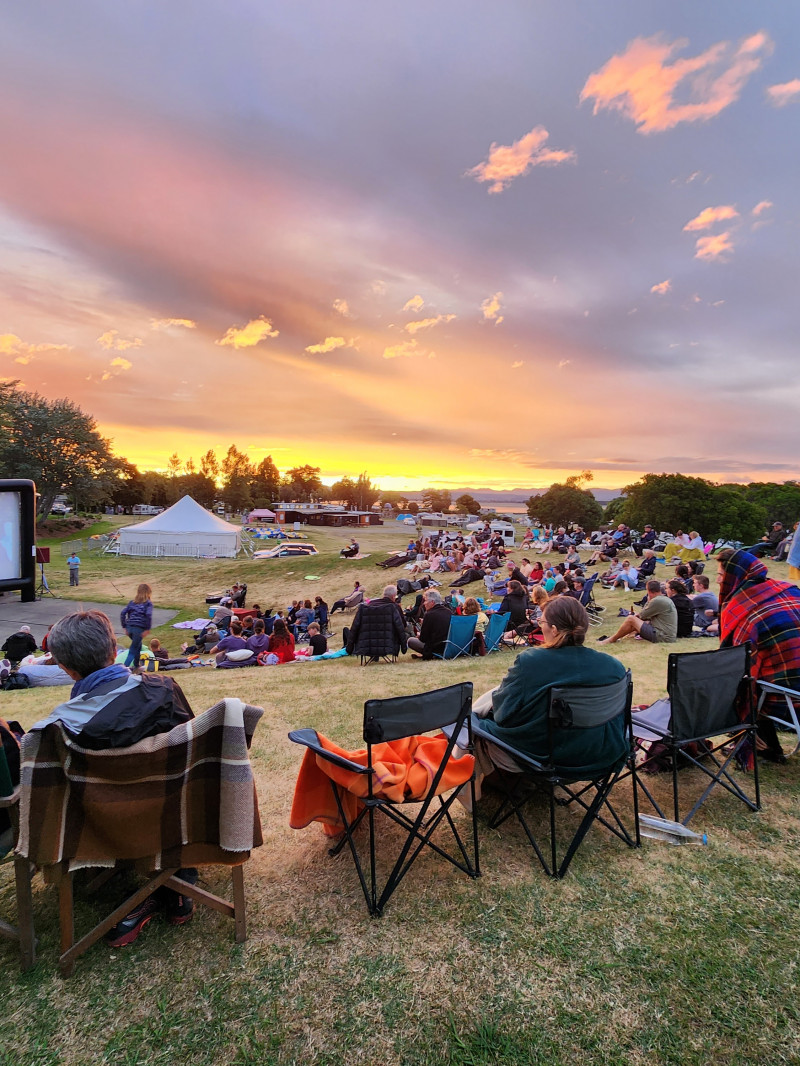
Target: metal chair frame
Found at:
x=394, y=719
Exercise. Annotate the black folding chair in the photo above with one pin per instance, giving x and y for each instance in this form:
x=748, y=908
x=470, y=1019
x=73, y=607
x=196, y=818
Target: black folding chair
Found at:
x=706, y=721
x=573, y=712
x=22, y=932
x=395, y=719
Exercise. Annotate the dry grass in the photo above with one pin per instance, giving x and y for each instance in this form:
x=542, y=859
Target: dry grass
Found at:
x=661, y=955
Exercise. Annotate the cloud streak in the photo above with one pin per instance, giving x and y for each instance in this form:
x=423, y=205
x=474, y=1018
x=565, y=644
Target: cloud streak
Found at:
x=426, y=323
x=330, y=344
x=786, y=93
x=508, y=161
x=709, y=215
x=717, y=246
x=648, y=85
x=112, y=342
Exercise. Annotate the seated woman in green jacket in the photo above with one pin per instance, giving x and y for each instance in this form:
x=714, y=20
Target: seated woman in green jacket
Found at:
x=519, y=704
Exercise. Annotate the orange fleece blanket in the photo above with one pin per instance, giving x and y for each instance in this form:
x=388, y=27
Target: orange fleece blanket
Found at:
x=404, y=770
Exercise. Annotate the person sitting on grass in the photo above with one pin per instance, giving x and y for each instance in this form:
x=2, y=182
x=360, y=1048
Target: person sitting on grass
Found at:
x=233, y=642
x=434, y=629
x=627, y=577
x=317, y=642
x=281, y=643
x=768, y=545
x=657, y=621
x=259, y=641
x=704, y=602
x=351, y=551
x=163, y=656
x=110, y=707
x=647, y=567
x=676, y=590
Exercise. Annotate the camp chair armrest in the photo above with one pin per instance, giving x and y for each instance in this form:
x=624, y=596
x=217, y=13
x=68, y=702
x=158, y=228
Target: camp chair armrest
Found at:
x=525, y=760
x=308, y=738
x=770, y=686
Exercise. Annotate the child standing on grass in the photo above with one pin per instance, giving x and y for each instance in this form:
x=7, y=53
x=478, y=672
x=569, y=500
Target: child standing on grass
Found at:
x=137, y=620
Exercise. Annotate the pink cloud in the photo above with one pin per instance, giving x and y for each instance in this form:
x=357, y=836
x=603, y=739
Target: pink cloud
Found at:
x=508, y=161
x=645, y=86
x=713, y=247
x=781, y=95
x=709, y=215
x=662, y=288
x=761, y=207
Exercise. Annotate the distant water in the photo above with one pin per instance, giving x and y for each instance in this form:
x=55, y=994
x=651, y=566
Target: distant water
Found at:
x=504, y=508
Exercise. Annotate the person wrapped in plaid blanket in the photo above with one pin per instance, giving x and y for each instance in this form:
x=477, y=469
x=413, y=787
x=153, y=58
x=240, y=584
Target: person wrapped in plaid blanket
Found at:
x=109, y=707
x=756, y=608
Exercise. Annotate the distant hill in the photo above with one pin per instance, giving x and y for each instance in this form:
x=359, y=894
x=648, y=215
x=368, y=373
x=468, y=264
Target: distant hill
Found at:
x=495, y=496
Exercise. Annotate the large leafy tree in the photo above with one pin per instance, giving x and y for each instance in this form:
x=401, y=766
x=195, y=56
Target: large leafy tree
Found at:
x=265, y=483
x=57, y=445
x=566, y=503
x=779, y=502
x=467, y=504
x=436, y=500
x=677, y=501
x=302, y=483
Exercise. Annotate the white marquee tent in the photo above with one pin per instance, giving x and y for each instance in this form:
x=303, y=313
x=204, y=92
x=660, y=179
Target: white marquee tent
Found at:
x=185, y=529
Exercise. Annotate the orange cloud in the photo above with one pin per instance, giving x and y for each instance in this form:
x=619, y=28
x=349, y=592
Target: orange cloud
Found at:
x=116, y=366
x=518, y=364
x=508, y=161
x=709, y=215
x=491, y=307
x=165, y=323
x=761, y=207
x=342, y=307
x=713, y=247
x=426, y=323
x=257, y=330
x=22, y=353
x=781, y=95
x=416, y=303
x=645, y=86
x=405, y=350
x=111, y=341
x=662, y=287
x=328, y=345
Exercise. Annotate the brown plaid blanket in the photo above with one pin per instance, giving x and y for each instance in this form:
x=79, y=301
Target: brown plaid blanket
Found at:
x=182, y=798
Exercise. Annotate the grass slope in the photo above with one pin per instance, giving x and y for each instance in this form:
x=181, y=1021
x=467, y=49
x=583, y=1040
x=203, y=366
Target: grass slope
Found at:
x=664, y=955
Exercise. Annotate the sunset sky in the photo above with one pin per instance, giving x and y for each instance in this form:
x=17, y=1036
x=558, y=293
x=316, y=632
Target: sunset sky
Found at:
x=448, y=242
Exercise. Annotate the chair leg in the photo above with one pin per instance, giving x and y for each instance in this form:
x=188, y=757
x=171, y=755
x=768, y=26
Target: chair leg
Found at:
x=239, y=917
x=27, y=939
x=66, y=922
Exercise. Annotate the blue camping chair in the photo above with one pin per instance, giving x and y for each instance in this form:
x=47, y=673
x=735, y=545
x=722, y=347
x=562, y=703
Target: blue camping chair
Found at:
x=460, y=636
x=495, y=630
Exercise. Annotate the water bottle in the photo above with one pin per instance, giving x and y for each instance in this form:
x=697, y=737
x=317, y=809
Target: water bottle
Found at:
x=669, y=832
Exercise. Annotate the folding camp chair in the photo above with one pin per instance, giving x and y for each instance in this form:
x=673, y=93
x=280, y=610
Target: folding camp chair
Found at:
x=459, y=636
x=598, y=713
x=791, y=696
x=706, y=721
x=393, y=720
x=493, y=636
x=588, y=601
x=22, y=932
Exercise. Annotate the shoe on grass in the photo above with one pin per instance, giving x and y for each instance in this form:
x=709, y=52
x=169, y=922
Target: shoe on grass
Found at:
x=128, y=930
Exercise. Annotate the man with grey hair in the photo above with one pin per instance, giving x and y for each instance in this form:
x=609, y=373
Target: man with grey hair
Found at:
x=378, y=629
x=110, y=707
x=435, y=627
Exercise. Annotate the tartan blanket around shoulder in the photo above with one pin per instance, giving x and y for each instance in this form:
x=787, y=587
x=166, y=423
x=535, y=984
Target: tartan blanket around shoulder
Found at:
x=182, y=798
x=766, y=613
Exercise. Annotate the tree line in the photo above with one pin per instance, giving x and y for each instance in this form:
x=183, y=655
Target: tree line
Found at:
x=57, y=445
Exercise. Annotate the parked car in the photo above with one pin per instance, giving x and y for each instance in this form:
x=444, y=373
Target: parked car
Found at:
x=282, y=551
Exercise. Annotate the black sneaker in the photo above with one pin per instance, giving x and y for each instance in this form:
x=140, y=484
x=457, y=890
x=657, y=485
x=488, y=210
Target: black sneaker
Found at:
x=128, y=930
x=180, y=908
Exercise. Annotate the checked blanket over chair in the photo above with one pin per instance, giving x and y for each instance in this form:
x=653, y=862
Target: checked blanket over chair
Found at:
x=404, y=770
x=178, y=799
